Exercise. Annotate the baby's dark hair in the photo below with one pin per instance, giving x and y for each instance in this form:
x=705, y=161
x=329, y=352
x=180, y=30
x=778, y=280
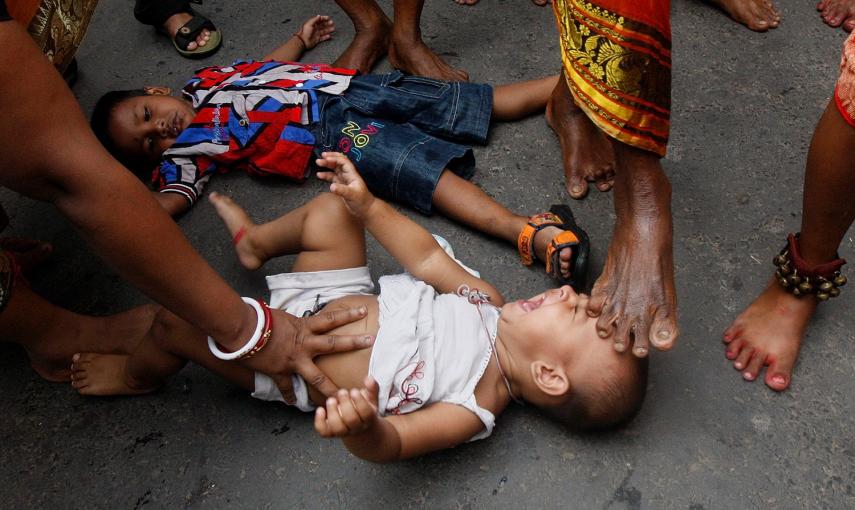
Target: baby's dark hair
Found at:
x=608, y=403
x=100, y=123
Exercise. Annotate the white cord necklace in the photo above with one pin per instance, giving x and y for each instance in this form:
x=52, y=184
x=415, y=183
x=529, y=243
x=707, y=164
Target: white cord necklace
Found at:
x=476, y=297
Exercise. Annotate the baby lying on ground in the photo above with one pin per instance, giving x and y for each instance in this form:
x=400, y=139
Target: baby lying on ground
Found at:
x=409, y=137
x=449, y=353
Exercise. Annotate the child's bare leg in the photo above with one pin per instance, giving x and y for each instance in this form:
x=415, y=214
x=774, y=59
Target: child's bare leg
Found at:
x=371, y=36
x=323, y=232
x=169, y=343
x=51, y=335
x=770, y=331
x=518, y=100
x=466, y=203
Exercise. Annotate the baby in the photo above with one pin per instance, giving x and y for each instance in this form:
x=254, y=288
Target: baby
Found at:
x=409, y=136
x=449, y=354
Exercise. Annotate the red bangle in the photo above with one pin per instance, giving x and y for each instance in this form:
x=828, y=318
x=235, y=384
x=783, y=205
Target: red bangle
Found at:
x=266, y=331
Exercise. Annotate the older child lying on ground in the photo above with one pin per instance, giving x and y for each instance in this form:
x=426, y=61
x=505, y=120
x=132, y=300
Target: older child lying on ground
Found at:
x=408, y=136
x=449, y=354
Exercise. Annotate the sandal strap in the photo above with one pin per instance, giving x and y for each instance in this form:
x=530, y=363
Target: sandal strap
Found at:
x=190, y=30
x=566, y=239
x=535, y=224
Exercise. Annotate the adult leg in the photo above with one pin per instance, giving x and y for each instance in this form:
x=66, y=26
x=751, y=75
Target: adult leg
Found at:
x=371, y=36
x=323, y=233
x=838, y=12
x=635, y=297
x=758, y=15
x=770, y=331
x=409, y=53
x=466, y=203
x=51, y=335
x=169, y=15
x=586, y=151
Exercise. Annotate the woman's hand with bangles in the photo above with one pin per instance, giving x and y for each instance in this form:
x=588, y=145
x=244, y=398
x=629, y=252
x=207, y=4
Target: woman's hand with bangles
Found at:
x=295, y=342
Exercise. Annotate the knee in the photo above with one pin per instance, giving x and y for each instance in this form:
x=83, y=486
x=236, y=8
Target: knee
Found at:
x=332, y=208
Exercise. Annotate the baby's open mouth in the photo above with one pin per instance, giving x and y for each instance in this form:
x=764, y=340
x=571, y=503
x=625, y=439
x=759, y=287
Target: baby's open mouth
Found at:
x=529, y=305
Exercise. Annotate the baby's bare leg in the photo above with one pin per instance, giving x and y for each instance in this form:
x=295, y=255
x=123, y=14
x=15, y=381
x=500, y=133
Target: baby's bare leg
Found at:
x=165, y=349
x=518, y=100
x=323, y=234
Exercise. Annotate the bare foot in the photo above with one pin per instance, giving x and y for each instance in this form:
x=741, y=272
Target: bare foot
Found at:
x=769, y=333
x=176, y=21
x=838, y=12
x=368, y=45
x=236, y=220
x=119, y=333
x=634, y=297
x=541, y=241
x=103, y=375
x=758, y=15
x=587, y=152
x=412, y=56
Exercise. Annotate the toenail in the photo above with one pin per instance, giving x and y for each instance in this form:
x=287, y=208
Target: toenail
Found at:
x=619, y=347
x=641, y=351
x=738, y=366
x=603, y=334
x=779, y=379
x=663, y=334
x=577, y=189
x=748, y=377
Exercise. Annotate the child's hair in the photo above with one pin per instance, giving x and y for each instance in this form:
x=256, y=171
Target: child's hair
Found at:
x=100, y=123
x=610, y=401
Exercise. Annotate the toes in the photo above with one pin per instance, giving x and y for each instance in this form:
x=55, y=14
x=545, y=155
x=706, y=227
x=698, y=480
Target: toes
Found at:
x=622, y=336
x=779, y=373
x=849, y=25
x=577, y=187
x=743, y=358
x=754, y=366
x=734, y=348
x=664, y=332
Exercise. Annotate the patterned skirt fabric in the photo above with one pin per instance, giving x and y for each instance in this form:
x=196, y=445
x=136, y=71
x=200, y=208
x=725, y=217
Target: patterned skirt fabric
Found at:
x=617, y=63
x=57, y=26
x=844, y=93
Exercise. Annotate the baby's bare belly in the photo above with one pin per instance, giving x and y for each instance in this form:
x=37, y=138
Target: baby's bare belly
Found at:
x=348, y=369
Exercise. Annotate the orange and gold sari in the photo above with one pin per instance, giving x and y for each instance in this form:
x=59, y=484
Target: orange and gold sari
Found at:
x=57, y=26
x=617, y=63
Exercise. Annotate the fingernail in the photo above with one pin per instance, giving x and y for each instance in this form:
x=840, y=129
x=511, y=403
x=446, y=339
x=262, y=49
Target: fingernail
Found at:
x=368, y=339
x=362, y=309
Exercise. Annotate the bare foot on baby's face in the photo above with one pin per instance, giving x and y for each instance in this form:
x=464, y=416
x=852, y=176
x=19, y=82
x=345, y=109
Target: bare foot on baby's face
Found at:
x=769, y=333
x=635, y=297
x=586, y=151
x=838, y=12
x=368, y=45
x=241, y=228
x=414, y=57
x=758, y=15
x=103, y=375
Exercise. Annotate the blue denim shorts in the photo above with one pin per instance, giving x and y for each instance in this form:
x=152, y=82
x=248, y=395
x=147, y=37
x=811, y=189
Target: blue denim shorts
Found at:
x=402, y=131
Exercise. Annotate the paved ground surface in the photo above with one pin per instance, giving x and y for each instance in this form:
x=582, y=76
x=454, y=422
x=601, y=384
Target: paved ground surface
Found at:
x=744, y=108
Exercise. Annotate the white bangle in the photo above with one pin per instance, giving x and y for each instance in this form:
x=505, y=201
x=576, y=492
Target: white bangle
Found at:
x=250, y=344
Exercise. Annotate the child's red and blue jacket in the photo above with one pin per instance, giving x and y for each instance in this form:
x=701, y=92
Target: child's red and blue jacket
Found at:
x=253, y=116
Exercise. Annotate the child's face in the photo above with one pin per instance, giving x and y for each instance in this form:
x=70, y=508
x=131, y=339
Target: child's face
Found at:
x=555, y=325
x=143, y=127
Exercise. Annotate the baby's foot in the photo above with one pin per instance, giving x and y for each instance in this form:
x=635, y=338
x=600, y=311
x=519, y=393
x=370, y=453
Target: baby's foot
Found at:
x=838, y=12
x=758, y=15
x=104, y=375
x=587, y=152
x=769, y=332
x=541, y=241
x=176, y=21
x=241, y=228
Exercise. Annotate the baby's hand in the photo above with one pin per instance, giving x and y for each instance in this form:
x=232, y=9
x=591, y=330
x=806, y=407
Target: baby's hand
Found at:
x=350, y=412
x=316, y=30
x=346, y=182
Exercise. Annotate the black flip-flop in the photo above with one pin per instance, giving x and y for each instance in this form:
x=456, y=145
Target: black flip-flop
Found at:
x=191, y=30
